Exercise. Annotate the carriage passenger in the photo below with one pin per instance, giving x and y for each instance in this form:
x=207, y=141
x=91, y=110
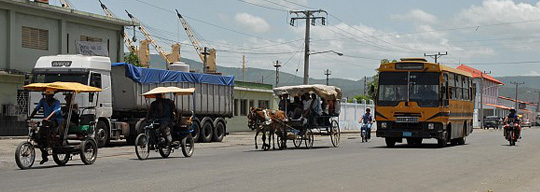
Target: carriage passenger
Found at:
x=284, y=103
x=296, y=108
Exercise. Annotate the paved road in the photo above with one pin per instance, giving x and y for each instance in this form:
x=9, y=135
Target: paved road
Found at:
x=485, y=163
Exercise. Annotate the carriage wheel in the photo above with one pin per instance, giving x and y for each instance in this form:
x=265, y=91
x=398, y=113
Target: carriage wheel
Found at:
x=309, y=138
x=142, y=148
x=25, y=155
x=297, y=141
x=188, y=145
x=165, y=151
x=61, y=159
x=89, y=150
x=335, y=133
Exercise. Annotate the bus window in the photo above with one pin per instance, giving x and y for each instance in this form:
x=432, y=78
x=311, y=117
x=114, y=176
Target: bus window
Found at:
x=424, y=88
x=392, y=88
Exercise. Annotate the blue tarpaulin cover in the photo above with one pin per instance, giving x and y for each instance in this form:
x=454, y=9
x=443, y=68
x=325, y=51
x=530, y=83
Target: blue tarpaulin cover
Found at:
x=149, y=76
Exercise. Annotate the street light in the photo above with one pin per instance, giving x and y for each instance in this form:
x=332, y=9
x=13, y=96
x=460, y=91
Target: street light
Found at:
x=327, y=51
x=306, y=63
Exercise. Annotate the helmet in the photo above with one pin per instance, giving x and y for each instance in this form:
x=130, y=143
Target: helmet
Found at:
x=368, y=109
x=512, y=110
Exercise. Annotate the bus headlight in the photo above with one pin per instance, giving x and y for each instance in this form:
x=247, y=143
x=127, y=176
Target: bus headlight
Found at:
x=383, y=125
x=430, y=126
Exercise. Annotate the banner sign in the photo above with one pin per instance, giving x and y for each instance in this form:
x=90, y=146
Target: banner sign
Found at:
x=92, y=48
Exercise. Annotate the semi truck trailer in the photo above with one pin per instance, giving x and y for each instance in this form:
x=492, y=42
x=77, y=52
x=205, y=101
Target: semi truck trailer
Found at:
x=120, y=107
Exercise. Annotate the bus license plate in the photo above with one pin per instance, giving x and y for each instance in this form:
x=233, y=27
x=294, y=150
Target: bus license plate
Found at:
x=407, y=134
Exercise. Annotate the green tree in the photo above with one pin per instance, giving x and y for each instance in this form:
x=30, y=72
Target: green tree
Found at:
x=360, y=98
x=132, y=58
x=373, y=86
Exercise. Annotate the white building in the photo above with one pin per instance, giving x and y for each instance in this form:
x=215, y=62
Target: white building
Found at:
x=490, y=99
x=29, y=30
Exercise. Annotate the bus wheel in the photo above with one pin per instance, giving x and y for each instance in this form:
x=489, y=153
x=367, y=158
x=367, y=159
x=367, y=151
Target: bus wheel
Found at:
x=390, y=142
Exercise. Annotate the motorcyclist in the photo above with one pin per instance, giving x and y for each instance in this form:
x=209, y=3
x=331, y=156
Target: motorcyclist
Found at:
x=163, y=111
x=511, y=118
x=53, y=118
x=367, y=120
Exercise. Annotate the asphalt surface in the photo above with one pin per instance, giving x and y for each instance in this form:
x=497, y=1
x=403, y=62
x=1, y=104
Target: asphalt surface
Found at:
x=485, y=163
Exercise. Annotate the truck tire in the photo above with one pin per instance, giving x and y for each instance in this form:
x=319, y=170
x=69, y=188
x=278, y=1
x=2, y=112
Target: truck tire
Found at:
x=196, y=130
x=206, y=132
x=103, y=134
x=390, y=142
x=219, y=132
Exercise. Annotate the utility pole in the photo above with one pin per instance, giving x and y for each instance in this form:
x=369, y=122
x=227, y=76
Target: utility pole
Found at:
x=436, y=55
x=327, y=72
x=538, y=104
x=244, y=68
x=517, y=85
x=310, y=17
x=277, y=66
x=205, y=66
x=481, y=111
x=365, y=85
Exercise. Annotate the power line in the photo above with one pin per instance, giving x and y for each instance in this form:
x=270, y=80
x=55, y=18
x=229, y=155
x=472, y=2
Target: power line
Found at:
x=262, y=6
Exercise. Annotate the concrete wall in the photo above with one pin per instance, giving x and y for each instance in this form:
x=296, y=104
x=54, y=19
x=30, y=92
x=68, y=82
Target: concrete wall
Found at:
x=110, y=37
x=9, y=86
x=26, y=58
x=3, y=38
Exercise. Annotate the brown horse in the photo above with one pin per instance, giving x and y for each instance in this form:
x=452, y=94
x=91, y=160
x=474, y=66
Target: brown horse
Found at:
x=266, y=120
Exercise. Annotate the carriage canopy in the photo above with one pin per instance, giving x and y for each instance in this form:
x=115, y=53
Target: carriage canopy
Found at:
x=164, y=90
x=323, y=91
x=62, y=86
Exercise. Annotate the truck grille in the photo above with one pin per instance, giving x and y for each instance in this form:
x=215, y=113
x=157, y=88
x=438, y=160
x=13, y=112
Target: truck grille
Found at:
x=406, y=119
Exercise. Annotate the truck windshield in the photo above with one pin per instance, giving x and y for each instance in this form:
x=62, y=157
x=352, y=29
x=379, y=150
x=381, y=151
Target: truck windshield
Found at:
x=51, y=77
x=422, y=88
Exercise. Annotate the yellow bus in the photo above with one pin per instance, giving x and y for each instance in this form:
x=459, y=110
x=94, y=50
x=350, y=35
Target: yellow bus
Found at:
x=417, y=100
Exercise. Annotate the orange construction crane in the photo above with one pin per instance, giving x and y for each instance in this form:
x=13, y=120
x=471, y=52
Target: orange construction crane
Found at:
x=208, y=56
x=162, y=53
x=128, y=41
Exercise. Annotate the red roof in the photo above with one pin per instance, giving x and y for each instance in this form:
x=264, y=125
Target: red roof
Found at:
x=477, y=74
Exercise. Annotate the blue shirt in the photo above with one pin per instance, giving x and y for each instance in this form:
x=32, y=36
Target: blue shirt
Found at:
x=366, y=118
x=47, y=110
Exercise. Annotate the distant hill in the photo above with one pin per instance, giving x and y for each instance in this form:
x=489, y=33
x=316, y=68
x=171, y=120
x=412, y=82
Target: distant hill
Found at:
x=349, y=88
x=527, y=92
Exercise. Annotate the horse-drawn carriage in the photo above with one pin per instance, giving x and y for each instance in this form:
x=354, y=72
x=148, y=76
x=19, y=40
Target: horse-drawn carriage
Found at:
x=288, y=125
x=72, y=138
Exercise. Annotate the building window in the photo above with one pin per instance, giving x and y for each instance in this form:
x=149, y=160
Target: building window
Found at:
x=91, y=39
x=251, y=103
x=243, y=107
x=236, y=107
x=34, y=38
x=264, y=104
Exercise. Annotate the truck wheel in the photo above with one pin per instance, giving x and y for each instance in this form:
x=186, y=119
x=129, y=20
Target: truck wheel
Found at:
x=206, y=132
x=390, y=142
x=196, y=130
x=219, y=132
x=103, y=134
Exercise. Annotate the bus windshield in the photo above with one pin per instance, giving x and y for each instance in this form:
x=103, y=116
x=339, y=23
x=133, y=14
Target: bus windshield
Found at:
x=423, y=88
x=64, y=77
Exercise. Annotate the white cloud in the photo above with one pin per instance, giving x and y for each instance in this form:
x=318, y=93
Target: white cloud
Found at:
x=501, y=11
x=251, y=23
x=532, y=73
x=416, y=15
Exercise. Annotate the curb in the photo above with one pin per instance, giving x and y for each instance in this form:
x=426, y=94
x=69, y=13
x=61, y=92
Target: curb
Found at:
x=13, y=137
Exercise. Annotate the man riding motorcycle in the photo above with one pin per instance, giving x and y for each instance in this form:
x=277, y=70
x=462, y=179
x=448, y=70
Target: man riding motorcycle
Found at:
x=512, y=118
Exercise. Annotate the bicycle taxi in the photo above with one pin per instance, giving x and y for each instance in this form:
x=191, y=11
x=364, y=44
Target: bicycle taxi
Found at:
x=181, y=127
x=77, y=139
x=304, y=128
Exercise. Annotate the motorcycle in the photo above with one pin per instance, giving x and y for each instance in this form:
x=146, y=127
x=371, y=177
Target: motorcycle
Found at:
x=365, y=133
x=511, y=132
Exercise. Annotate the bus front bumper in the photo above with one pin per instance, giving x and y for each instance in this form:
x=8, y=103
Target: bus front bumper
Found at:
x=419, y=130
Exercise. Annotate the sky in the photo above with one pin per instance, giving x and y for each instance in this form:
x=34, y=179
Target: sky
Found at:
x=500, y=36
